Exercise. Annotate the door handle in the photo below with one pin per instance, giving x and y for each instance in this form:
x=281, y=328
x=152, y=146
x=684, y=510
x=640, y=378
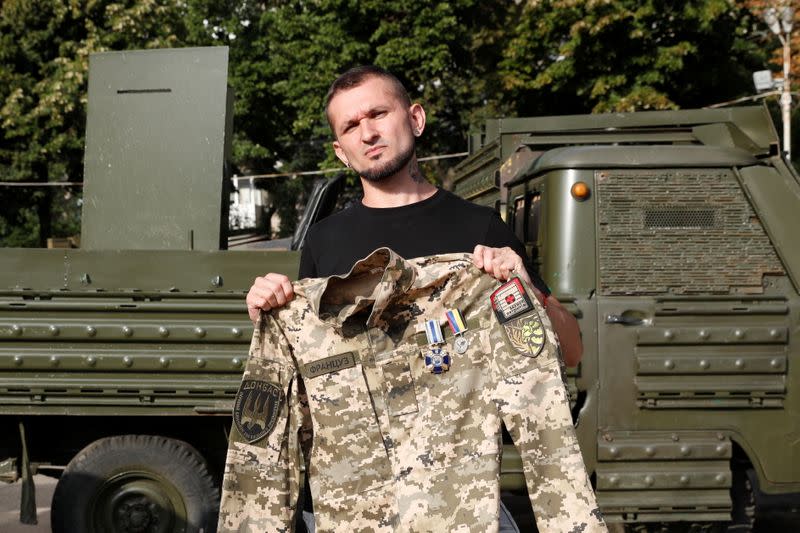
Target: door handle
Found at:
x=627, y=320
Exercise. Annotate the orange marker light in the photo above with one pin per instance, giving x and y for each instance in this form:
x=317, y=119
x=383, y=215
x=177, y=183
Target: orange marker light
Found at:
x=580, y=191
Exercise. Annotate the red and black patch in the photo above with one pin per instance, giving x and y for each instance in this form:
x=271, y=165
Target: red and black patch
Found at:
x=257, y=408
x=510, y=300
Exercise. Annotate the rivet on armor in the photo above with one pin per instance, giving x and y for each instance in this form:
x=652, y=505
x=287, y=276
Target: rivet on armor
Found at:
x=91, y=331
x=54, y=360
x=719, y=478
x=648, y=480
x=669, y=364
x=650, y=451
x=775, y=363
x=127, y=360
x=199, y=332
x=163, y=361
x=675, y=437
x=17, y=360
x=704, y=334
x=684, y=479
x=16, y=330
x=614, y=451
x=685, y=450
x=720, y=449
x=613, y=480
x=200, y=362
x=774, y=333
x=91, y=360
x=162, y=331
x=739, y=363
x=236, y=332
x=127, y=331
x=720, y=436
x=668, y=334
x=704, y=364
x=236, y=362
x=738, y=333
x=54, y=330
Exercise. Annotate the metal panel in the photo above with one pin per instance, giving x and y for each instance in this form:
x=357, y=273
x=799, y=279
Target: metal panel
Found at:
x=155, y=150
x=776, y=199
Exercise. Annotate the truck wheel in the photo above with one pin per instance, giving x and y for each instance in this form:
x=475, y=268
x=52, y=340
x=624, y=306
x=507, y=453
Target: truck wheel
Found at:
x=136, y=484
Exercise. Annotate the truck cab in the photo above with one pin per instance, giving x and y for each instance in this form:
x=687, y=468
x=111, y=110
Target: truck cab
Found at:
x=672, y=238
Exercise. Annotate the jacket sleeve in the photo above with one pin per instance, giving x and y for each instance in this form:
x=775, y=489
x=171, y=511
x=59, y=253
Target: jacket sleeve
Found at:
x=261, y=480
x=534, y=405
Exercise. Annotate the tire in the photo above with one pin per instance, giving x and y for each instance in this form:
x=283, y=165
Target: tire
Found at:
x=136, y=484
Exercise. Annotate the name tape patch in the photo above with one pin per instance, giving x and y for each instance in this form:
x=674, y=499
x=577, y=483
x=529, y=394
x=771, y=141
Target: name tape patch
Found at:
x=330, y=364
x=510, y=300
x=257, y=408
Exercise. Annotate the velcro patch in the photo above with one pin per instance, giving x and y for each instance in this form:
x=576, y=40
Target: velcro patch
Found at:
x=510, y=300
x=330, y=364
x=257, y=408
x=526, y=334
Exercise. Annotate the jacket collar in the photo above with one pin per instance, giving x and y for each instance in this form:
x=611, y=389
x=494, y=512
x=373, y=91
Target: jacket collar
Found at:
x=373, y=282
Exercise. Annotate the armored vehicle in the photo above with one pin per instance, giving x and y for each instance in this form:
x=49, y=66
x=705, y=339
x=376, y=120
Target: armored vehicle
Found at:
x=672, y=236
x=119, y=360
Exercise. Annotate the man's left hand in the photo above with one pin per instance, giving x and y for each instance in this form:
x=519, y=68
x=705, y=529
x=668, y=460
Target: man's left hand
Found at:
x=500, y=263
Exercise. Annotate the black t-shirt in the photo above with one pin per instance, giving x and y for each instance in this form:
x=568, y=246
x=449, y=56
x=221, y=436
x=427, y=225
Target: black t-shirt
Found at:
x=443, y=223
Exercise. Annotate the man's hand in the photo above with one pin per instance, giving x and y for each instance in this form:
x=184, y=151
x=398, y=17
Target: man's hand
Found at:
x=501, y=264
x=268, y=292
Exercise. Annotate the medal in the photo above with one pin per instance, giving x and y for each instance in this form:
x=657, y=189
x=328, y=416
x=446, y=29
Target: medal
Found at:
x=436, y=360
x=458, y=326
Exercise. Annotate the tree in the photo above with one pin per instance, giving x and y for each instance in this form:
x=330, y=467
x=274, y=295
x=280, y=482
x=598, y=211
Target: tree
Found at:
x=44, y=53
x=628, y=55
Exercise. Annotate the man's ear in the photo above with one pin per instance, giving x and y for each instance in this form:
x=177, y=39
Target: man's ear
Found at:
x=416, y=114
x=340, y=153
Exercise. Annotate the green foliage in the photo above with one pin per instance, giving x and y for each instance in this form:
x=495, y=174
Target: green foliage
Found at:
x=464, y=59
x=566, y=57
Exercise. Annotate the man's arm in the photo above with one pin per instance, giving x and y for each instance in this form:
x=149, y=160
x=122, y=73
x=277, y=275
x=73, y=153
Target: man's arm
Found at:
x=502, y=263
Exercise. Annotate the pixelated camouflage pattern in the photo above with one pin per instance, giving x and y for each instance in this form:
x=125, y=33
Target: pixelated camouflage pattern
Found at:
x=395, y=447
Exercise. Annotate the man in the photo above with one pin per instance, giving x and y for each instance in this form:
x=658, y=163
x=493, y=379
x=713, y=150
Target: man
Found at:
x=375, y=126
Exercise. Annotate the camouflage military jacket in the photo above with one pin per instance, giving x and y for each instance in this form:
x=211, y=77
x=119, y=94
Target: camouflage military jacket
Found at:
x=406, y=436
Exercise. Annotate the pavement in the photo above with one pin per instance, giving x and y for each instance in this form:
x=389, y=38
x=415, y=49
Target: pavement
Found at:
x=9, y=506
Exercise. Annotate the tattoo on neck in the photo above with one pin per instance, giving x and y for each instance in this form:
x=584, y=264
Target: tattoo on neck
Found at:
x=416, y=175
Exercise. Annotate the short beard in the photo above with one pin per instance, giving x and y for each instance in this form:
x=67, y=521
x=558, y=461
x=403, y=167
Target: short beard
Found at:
x=389, y=168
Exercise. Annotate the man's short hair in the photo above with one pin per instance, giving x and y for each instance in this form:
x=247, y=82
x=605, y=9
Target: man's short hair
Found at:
x=358, y=75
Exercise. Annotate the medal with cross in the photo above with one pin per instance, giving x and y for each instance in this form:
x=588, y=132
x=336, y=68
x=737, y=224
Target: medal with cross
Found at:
x=437, y=360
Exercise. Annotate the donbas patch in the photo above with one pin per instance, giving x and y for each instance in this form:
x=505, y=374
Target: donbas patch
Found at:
x=526, y=334
x=257, y=407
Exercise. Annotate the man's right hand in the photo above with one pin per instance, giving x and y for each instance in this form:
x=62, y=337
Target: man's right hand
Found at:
x=268, y=292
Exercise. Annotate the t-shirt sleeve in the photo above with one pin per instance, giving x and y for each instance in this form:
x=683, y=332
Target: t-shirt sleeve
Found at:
x=308, y=268
x=499, y=235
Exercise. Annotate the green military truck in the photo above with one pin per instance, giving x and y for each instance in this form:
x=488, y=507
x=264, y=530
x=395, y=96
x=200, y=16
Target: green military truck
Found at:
x=667, y=234
x=673, y=237
x=119, y=361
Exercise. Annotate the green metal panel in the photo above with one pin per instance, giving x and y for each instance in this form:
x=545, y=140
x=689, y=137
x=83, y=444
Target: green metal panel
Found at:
x=157, y=127
x=568, y=262
x=170, y=271
x=776, y=199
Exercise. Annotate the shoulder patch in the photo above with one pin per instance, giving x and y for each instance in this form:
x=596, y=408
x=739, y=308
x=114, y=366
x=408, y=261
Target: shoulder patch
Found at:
x=256, y=409
x=510, y=300
x=526, y=334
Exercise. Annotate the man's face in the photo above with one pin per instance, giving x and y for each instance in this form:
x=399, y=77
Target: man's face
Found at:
x=374, y=129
